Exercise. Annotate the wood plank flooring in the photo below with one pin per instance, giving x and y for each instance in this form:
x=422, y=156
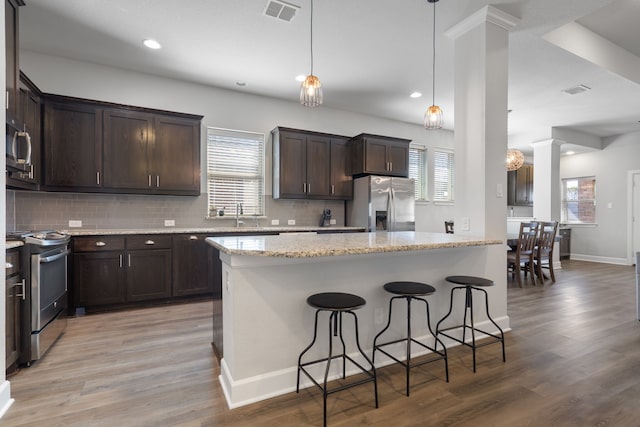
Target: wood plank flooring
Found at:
x=573, y=359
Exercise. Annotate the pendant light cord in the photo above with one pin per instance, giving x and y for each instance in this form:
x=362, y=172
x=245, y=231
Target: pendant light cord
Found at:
x=311, y=37
x=433, y=67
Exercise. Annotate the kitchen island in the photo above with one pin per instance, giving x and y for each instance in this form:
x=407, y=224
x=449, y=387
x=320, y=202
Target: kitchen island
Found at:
x=266, y=280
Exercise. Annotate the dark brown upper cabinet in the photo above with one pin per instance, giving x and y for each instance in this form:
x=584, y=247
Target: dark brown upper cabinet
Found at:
x=12, y=63
x=379, y=155
x=102, y=147
x=303, y=166
x=520, y=186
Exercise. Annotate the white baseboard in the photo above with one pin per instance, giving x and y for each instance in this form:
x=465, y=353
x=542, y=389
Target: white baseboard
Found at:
x=602, y=259
x=5, y=397
x=265, y=386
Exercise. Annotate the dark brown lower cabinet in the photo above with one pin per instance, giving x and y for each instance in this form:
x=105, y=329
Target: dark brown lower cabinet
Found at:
x=191, y=265
x=14, y=285
x=148, y=274
x=99, y=278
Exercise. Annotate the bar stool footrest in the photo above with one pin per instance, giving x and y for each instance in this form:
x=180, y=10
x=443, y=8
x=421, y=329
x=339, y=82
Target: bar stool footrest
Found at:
x=371, y=376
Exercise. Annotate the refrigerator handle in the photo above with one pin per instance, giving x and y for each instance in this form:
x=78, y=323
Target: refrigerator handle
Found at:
x=391, y=211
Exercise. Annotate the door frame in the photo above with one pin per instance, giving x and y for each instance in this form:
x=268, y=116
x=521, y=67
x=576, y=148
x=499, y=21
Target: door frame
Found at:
x=631, y=259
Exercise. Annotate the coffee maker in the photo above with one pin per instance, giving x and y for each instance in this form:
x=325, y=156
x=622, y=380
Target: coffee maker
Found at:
x=325, y=220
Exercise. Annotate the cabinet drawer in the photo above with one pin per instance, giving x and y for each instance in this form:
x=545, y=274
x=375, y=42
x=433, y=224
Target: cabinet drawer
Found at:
x=151, y=241
x=13, y=263
x=98, y=243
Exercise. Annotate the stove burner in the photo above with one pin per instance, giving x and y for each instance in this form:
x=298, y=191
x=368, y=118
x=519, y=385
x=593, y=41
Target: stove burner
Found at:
x=40, y=238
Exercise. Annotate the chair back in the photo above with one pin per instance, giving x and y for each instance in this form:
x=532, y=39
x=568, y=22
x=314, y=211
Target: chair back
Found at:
x=448, y=227
x=527, y=237
x=546, y=238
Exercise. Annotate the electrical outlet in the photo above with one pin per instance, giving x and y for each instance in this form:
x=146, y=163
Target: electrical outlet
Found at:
x=169, y=222
x=499, y=190
x=378, y=315
x=291, y=222
x=75, y=223
x=275, y=222
x=465, y=223
x=332, y=222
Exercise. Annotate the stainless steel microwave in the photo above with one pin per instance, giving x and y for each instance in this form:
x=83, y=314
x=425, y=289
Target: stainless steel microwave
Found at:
x=18, y=149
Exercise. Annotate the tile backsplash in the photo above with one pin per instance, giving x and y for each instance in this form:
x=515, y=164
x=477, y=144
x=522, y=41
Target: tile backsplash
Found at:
x=48, y=210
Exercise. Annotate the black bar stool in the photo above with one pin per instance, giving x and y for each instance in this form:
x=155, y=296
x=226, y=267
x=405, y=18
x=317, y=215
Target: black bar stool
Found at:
x=470, y=283
x=336, y=303
x=411, y=291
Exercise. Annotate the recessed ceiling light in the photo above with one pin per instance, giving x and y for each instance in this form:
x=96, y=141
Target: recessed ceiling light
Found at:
x=151, y=44
x=415, y=95
x=241, y=84
x=576, y=89
x=568, y=153
x=301, y=78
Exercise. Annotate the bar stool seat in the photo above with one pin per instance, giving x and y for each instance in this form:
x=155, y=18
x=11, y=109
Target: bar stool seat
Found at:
x=469, y=284
x=411, y=291
x=336, y=303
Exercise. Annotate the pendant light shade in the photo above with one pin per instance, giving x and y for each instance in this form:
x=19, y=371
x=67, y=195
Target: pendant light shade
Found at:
x=515, y=159
x=433, y=115
x=311, y=88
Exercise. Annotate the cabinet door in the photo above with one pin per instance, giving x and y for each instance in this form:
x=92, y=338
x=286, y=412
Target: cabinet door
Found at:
x=126, y=150
x=99, y=278
x=148, y=274
x=191, y=265
x=375, y=156
x=341, y=181
x=318, y=152
x=72, y=145
x=292, y=162
x=11, y=23
x=175, y=162
x=13, y=304
x=398, y=157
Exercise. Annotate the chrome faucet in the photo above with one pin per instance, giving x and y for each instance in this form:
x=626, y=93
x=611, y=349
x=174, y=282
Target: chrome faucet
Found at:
x=238, y=213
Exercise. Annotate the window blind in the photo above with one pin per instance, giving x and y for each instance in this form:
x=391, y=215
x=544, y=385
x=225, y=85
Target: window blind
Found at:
x=418, y=171
x=235, y=171
x=443, y=172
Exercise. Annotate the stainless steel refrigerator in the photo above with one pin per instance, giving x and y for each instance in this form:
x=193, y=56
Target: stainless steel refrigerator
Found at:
x=382, y=203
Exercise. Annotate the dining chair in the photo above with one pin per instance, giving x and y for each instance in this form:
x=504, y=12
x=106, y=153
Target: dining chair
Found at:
x=543, y=255
x=524, y=251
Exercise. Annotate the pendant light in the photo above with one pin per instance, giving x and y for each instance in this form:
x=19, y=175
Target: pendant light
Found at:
x=311, y=89
x=433, y=115
x=515, y=160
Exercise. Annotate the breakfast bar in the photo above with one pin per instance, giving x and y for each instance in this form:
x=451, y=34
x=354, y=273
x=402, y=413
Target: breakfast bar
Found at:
x=267, y=279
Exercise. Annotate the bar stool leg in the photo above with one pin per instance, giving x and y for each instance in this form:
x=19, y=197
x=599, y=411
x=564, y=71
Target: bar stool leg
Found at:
x=313, y=341
x=344, y=348
x=332, y=325
x=373, y=357
x=407, y=366
x=437, y=340
x=373, y=368
x=486, y=300
x=469, y=306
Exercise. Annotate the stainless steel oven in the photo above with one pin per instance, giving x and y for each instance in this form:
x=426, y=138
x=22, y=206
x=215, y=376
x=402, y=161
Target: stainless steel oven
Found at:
x=45, y=268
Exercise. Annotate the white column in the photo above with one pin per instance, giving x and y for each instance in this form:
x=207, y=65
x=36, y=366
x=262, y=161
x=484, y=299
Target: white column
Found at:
x=546, y=180
x=481, y=62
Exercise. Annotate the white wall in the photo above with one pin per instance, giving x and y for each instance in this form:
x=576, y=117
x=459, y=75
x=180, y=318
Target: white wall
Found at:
x=226, y=109
x=607, y=241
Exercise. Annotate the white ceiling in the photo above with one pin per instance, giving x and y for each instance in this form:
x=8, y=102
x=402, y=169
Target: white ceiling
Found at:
x=369, y=54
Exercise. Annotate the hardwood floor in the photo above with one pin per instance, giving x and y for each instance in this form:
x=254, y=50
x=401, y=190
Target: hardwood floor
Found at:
x=573, y=359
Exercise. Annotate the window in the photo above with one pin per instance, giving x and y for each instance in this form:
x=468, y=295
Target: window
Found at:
x=579, y=200
x=235, y=172
x=418, y=171
x=443, y=169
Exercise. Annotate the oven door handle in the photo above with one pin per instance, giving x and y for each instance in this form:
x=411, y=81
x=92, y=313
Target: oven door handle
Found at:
x=55, y=257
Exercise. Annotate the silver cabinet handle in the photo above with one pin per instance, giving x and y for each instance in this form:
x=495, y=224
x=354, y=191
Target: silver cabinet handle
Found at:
x=100, y=244
x=193, y=237
x=149, y=180
x=120, y=257
x=7, y=101
x=333, y=189
x=308, y=188
x=304, y=187
x=390, y=166
x=98, y=177
x=8, y=265
x=149, y=242
x=23, y=290
x=129, y=259
x=157, y=180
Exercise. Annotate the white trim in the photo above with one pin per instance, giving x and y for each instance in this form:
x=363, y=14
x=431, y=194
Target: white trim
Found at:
x=631, y=256
x=5, y=397
x=489, y=14
x=602, y=259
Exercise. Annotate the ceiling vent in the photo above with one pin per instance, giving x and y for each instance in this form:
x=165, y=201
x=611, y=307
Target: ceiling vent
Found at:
x=576, y=90
x=281, y=10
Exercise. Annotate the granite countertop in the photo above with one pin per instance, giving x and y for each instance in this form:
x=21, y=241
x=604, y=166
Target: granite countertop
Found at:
x=307, y=246
x=10, y=244
x=194, y=230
